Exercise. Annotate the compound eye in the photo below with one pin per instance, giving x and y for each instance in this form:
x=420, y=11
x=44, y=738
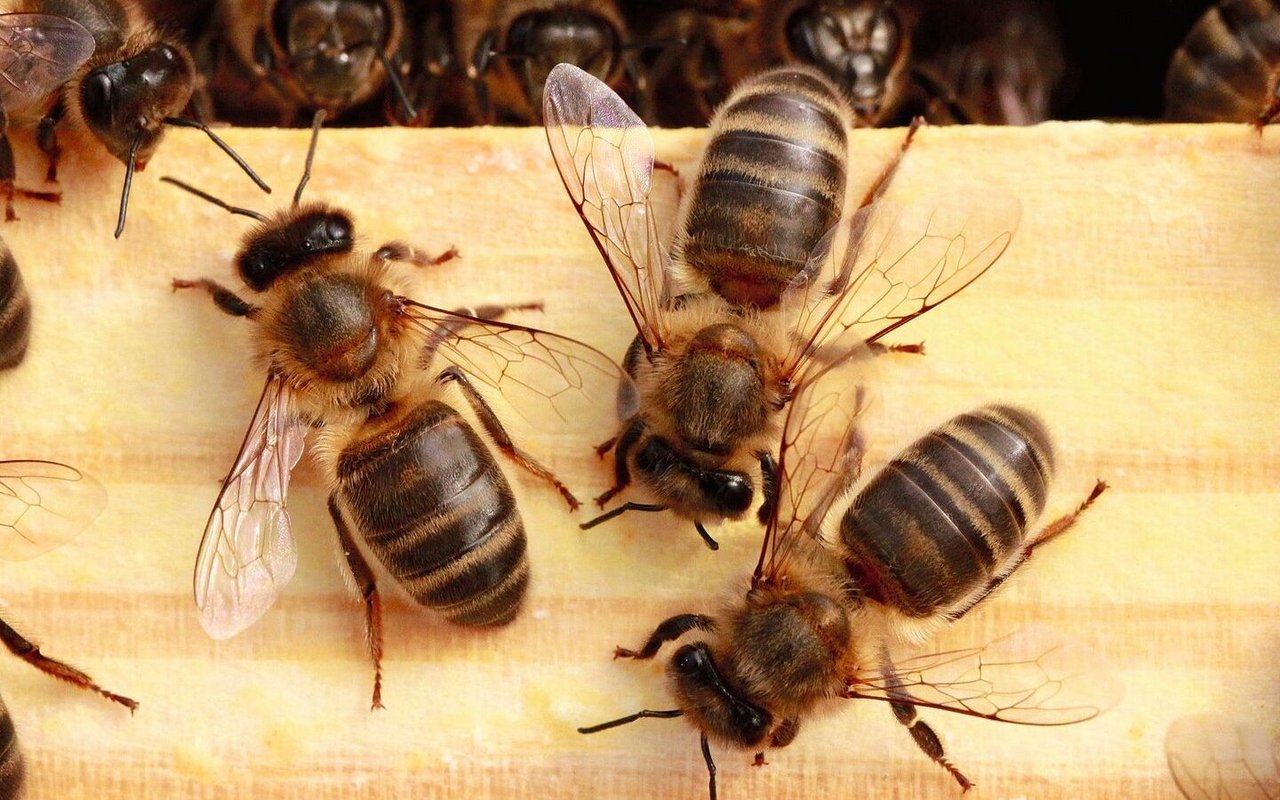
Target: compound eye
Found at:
x=690, y=659
x=97, y=90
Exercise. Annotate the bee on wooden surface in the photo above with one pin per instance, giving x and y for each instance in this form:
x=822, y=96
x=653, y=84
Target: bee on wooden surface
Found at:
x=511, y=46
x=106, y=67
x=1212, y=757
x=818, y=623
x=15, y=311
x=1228, y=67
x=348, y=354
x=753, y=302
x=267, y=60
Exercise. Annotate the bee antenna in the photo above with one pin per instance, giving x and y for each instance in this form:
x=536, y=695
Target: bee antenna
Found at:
x=128, y=181
x=641, y=714
x=711, y=768
x=397, y=86
x=219, y=203
x=620, y=510
x=316, y=122
x=180, y=122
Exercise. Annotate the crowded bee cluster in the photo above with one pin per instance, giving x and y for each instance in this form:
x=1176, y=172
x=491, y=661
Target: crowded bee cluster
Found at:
x=768, y=283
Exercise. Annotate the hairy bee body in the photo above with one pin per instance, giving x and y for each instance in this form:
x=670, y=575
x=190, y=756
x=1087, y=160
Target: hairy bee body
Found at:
x=15, y=311
x=12, y=768
x=436, y=510
x=950, y=514
x=1228, y=66
x=770, y=186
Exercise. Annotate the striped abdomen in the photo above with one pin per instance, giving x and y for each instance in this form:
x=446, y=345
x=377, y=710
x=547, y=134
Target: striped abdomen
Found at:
x=434, y=508
x=1226, y=68
x=12, y=772
x=943, y=518
x=15, y=311
x=770, y=186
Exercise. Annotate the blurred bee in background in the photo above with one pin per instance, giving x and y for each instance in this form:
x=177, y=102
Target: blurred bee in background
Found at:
x=267, y=60
x=1228, y=67
x=348, y=354
x=1211, y=757
x=753, y=302
x=511, y=46
x=926, y=540
x=15, y=311
x=105, y=66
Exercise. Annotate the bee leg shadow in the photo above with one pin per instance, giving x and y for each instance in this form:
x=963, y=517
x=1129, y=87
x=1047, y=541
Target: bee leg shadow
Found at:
x=400, y=251
x=368, y=587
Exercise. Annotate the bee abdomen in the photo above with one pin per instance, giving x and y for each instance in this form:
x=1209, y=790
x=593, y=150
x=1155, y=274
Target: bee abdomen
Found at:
x=15, y=312
x=770, y=186
x=436, y=510
x=942, y=518
x=12, y=769
x=1223, y=69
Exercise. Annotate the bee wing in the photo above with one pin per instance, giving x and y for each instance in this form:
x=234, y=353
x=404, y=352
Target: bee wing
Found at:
x=44, y=504
x=898, y=263
x=1216, y=758
x=1032, y=677
x=533, y=370
x=605, y=157
x=247, y=553
x=819, y=459
x=38, y=53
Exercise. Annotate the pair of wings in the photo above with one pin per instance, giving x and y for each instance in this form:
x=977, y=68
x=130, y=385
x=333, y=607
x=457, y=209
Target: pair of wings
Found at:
x=39, y=53
x=247, y=553
x=43, y=505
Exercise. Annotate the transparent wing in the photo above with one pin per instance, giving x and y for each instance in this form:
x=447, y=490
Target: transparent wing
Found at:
x=1032, y=677
x=1216, y=758
x=605, y=157
x=819, y=458
x=548, y=379
x=247, y=553
x=898, y=263
x=38, y=53
x=44, y=504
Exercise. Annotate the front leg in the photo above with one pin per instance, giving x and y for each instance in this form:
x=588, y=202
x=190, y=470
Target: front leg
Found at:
x=368, y=588
x=493, y=426
x=47, y=139
x=225, y=299
x=30, y=653
x=623, y=446
x=668, y=631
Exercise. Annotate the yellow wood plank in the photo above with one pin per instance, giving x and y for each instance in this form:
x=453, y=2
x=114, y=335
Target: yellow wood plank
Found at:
x=1136, y=310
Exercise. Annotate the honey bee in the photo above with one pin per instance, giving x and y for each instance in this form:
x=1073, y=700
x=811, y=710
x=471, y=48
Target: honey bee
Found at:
x=1228, y=67
x=45, y=504
x=276, y=57
x=1211, y=756
x=13, y=770
x=347, y=354
x=925, y=541
x=106, y=67
x=15, y=311
x=512, y=45
x=753, y=302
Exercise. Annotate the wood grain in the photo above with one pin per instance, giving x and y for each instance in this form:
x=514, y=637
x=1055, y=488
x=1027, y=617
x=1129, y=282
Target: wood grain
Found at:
x=1136, y=310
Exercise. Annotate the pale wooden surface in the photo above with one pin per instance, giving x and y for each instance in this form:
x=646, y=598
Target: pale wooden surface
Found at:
x=1136, y=310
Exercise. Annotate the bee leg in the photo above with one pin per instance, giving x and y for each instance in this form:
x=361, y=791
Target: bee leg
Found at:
x=711, y=768
x=47, y=139
x=621, y=454
x=768, y=486
x=881, y=349
x=886, y=175
x=493, y=426
x=711, y=543
x=1050, y=532
x=668, y=631
x=905, y=712
x=363, y=575
x=223, y=298
x=30, y=653
x=399, y=251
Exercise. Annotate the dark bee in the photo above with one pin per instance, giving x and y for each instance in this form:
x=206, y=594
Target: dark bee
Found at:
x=1211, y=756
x=410, y=479
x=15, y=311
x=511, y=45
x=817, y=624
x=106, y=67
x=12, y=768
x=1228, y=67
x=269, y=59
x=753, y=302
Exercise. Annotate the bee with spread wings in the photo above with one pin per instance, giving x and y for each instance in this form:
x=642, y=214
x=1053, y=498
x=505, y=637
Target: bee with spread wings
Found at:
x=44, y=505
x=349, y=354
x=713, y=373
x=819, y=619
